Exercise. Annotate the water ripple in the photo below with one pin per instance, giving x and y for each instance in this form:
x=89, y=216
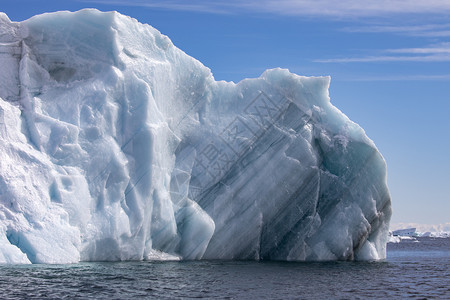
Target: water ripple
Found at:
x=411, y=271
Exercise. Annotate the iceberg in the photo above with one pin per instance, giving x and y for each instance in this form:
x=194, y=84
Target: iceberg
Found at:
x=116, y=145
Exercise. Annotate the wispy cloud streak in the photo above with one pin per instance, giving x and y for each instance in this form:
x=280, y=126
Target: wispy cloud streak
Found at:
x=327, y=8
x=444, y=77
x=443, y=48
x=386, y=58
x=432, y=53
x=424, y=30
x=216, y=7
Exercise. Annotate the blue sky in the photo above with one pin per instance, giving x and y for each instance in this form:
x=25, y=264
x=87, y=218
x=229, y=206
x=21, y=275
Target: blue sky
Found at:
x=389, y=62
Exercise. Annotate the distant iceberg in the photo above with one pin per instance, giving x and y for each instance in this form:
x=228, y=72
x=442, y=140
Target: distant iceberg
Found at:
x=436, y=229
x=116, y=145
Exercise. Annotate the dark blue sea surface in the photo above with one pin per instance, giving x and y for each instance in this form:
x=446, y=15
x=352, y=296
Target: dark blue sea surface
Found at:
x=413, y=270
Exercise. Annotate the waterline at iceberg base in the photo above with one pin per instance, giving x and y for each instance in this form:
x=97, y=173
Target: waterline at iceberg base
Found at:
x=116, y=145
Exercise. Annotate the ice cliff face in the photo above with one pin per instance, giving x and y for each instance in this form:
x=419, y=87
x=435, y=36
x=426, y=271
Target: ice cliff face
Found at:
x=116, y=145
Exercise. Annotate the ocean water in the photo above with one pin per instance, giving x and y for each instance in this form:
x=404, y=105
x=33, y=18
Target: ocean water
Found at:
x=413, y=270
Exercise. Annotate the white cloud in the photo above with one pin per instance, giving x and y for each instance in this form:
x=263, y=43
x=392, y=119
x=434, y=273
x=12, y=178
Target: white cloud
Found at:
x=355, y=8
x=432, y=53
x=417, y=77
x=328, y=8
x=387, y=58
x=427, y=30
x=217, y=7
x=434, y=49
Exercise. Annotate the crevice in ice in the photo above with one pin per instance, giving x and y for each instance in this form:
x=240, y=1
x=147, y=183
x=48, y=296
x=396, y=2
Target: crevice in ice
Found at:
x=60, y=72
x=17, y=239
x=26, y=100
x=54, y=193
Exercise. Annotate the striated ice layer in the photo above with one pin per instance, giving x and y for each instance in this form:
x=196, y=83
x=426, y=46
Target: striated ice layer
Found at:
x=116, y=145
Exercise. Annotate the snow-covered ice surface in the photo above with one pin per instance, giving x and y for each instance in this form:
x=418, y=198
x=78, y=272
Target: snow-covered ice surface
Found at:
x=116, y=145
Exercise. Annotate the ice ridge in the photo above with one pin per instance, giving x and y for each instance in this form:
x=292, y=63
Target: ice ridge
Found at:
x=116, y=145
